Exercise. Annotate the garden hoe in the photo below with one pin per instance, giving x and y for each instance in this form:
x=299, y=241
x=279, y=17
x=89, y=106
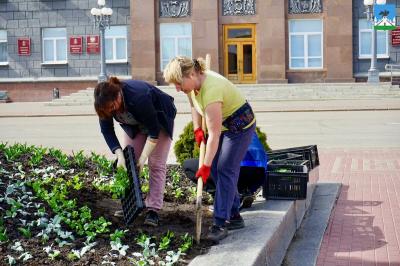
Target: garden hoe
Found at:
x=200, y=180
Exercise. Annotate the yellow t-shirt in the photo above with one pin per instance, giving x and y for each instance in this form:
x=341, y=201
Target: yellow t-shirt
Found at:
x=217, y=88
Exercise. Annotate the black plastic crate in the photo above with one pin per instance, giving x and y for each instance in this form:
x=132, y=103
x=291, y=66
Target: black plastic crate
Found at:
x=291, y=184
x=307, y=152
x=132, y=202
x=283, y=156
x=303, y=163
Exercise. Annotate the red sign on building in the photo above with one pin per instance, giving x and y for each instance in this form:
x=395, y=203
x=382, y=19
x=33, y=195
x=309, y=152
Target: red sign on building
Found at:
x=396, y=37
x=24, y=46
x=93, y=44
x=75, y=44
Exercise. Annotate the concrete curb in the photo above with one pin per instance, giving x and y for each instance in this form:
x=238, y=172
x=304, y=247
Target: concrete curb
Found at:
x=305, y=246
x=39, y=109
x=270, y=226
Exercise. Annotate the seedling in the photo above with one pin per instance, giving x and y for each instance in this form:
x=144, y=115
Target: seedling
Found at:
x=3, y=235
x=117, y=246
x=52, y=253
x=118, y=235
x=187, y=243
x=79, y=158
x=26, y=232
x=37, y=156
x=166, y=240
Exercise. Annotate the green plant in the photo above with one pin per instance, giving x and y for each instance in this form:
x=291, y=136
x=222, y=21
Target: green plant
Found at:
x=178, y=192
x=166, y=240
x=187, y=243
x=3, y=146
x=26, y=232
x=186, y=148
x=62, y=158
x=79, y=158
x=3, y=232
x=37, y=156
x=145, y=177
x=120, y=184
x=13, y=152
x=118, y=235
x=104, y=166
x=263, y=139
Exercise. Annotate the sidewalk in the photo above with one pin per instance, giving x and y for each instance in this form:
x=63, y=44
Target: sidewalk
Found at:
x=364, y=228
x=38, y=109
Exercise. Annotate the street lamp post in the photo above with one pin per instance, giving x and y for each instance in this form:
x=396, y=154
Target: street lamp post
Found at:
x=102, y=17
x=373, y=72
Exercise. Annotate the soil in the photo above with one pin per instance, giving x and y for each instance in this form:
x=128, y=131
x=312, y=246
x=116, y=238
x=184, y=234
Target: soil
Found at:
x=177, y=215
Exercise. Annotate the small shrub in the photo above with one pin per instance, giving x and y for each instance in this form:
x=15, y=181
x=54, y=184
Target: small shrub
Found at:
x=186, y=147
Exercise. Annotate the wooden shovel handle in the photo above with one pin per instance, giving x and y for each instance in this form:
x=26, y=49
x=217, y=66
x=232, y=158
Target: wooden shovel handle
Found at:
x=199, y=198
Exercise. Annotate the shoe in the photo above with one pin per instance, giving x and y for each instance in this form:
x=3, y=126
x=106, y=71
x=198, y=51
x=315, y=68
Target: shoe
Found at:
x=151, y=218
x=119, y=214
x=217, y=233
x=247, y=201
x=235, y=222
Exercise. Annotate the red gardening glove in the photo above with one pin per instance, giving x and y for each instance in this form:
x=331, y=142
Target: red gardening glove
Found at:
x=199, y=136
x=204, y=173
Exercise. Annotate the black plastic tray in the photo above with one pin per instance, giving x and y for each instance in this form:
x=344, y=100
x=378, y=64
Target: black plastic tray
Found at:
x=307, y=152
x=132, y=202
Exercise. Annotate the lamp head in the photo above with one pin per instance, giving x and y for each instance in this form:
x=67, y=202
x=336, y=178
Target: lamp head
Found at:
x=95, y=11
x=381, y=2
x=101, y=2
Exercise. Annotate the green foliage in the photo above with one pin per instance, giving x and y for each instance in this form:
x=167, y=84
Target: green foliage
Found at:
x=3, y=232
x=79, y=158
x=121, y=183
x=15, y=151
x=62, y=158
x=3, y=145
x=26, y=232
x=145, y=179
x=37, y=156
x=186, y=147
x=187, y=243
x=166, y=240
x=118, y=235
x=263, y=139
x=104, y=166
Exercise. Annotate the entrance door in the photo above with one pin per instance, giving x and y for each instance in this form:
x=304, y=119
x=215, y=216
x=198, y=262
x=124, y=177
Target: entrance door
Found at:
x=240, y=53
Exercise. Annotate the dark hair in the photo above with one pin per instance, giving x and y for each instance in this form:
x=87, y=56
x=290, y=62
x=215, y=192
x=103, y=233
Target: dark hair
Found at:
x=105, y=93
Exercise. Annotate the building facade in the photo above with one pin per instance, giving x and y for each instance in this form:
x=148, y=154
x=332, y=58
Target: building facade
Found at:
x=30, y=72
x=250, y=41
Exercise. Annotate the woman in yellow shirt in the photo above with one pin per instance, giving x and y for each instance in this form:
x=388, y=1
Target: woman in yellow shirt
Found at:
x=230, y=123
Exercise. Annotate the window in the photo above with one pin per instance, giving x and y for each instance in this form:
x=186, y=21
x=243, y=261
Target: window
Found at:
x=365, y=40
x=3, y=48
x=305, y=44
x=175, y=39
x=116, y=47
x=54, y=46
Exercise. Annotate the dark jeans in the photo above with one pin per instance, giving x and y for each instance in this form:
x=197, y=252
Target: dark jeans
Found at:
x=225, y=170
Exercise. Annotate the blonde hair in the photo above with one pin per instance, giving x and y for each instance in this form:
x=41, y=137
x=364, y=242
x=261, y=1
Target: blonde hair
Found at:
x=181, y=66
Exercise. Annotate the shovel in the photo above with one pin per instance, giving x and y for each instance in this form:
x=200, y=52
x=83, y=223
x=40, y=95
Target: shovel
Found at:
x=199, y=180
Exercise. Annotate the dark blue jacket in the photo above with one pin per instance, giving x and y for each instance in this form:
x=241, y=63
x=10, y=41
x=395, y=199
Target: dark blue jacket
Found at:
x=148, y=105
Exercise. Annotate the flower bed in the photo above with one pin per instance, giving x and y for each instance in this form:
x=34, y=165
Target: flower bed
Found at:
x=58, y=209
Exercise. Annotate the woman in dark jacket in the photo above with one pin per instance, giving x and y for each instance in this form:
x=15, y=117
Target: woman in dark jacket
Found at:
x=146, y=115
